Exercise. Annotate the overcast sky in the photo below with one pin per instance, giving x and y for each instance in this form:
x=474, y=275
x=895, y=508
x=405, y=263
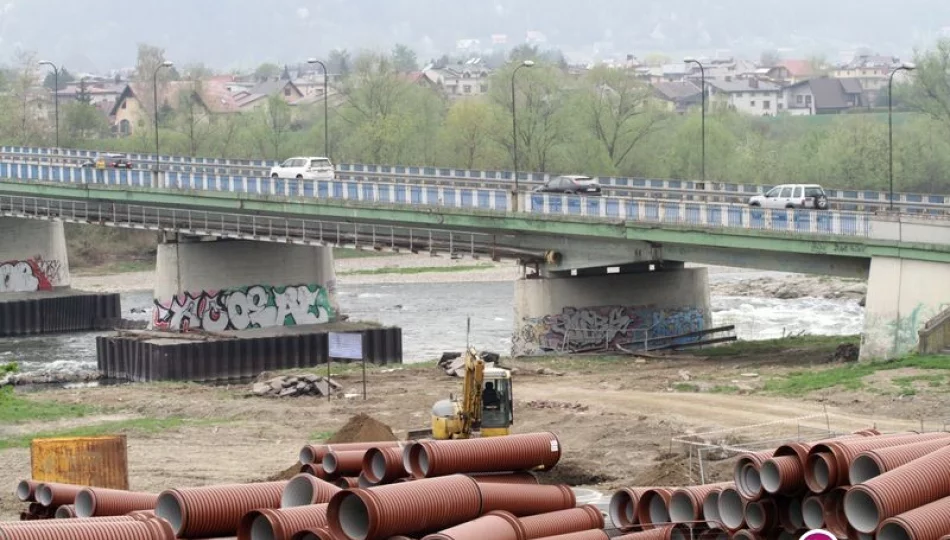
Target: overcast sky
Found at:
x=226, y=34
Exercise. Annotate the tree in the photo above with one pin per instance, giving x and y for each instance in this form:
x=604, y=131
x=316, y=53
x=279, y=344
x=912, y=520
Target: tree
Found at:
x=523, y=52
x=27, y=124
x=618, y=112
x=404, y=59
x=929, y=91
x=191, y=117
x=769, y=58
x=541, y=125
x=266, y=71
x=467, y=131
x=147, y=73
x=339, y=62
x=276, y=118
x=83, y=96
x=84, y=121
x=197, y=72
x=65, y=77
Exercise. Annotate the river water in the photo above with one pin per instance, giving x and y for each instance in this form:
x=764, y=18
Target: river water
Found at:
x=433, y=318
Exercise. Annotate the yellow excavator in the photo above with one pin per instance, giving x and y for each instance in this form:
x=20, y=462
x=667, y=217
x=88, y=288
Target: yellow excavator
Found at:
x=485, y=409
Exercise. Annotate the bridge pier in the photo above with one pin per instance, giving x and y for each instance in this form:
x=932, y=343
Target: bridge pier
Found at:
x=32, y=256
x=903, y=294
x=35, y=293
x=218, y=285
x=592, y=312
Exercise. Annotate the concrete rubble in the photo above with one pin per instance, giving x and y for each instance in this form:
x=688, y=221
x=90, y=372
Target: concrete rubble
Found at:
x=454, y=364
x=296, y=386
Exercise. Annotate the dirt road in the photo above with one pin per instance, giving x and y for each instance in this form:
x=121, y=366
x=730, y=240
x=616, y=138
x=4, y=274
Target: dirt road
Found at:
x=615, y=420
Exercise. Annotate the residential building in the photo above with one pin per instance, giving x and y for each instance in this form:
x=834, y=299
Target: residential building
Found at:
x=791, y=71
x=725, y=69
x=747, y=96
x=824, y=95
x=257, y=95
x=870, y=71
x=132, y=110
x=678, y=96
x=463, y=80
x=98, y=92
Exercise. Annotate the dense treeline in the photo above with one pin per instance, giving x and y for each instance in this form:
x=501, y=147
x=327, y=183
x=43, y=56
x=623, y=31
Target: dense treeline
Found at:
x=601, y=123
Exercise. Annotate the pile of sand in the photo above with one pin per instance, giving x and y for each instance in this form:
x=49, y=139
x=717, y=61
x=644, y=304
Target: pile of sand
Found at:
x=362, y=428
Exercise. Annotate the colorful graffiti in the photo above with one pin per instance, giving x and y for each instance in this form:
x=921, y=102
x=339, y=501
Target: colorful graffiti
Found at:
x=602, y=326
x=24, y=276
x=891, y=337
x=243, y=308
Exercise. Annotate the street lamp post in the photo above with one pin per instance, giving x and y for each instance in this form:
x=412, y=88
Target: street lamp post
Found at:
x=165, y=64
x=326, y=115
x=702, y=74
x=514, y=125
x=890, y=128
x=55, y=96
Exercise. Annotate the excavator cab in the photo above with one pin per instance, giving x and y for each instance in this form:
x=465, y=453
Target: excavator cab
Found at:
x=497, y=403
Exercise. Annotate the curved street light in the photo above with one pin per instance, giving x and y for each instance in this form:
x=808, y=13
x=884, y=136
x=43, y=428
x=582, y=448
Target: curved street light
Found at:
x=890, y=128
x=55, y=96
x=702, y=73
x=326, y=115
x=165, y=64
x=514, y=124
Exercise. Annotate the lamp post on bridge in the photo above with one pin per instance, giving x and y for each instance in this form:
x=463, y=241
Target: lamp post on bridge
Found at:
x=326, y=115
x=702, y=74
x=890, y=128
x=55, y=96
x=165, y=64
x=514, y=128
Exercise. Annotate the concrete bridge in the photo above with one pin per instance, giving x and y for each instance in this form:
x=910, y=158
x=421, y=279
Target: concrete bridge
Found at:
x=210, y=272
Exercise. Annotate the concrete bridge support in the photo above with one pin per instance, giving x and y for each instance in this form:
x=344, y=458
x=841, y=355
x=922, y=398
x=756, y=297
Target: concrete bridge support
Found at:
x=903, y=294
x=32, y=256
x=587, y=312
x=218, y=285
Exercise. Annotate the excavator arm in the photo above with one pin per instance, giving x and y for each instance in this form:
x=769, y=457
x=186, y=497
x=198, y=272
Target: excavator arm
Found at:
x=471, y=409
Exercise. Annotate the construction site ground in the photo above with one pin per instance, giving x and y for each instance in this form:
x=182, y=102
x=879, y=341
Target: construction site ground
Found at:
x=616, y=416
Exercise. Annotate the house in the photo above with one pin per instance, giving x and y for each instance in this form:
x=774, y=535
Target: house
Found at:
x=253, y=97
x=98, y=92
x=130, y=113
x=791, y=71
x=678, y=96
x=824, y=95
x=725, y=69
x=747, y=96
x=462, y=80
x=870, y=71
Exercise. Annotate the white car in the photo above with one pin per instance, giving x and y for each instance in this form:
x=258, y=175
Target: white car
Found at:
x=792, y=196
x=307, y=168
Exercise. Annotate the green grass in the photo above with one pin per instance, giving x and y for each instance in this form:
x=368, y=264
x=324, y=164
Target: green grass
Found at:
x=743, y=348
x=851, y=377
x=15, y=409
x=319, y=436
x=344, y=253
x=416, y=270
x=724, y=389
x=686, y=387
x=138, y=426
x=11, y=367
x=119, y=267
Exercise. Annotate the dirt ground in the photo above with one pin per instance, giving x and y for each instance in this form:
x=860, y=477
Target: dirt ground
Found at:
x=616, y=418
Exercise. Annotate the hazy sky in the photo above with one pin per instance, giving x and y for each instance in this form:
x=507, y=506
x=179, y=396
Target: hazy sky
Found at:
x=224, y=34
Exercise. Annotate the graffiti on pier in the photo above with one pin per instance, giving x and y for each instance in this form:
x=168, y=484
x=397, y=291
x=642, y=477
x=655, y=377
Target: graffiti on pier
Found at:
x=603, y=326
x=260, y=306
x=24, y=276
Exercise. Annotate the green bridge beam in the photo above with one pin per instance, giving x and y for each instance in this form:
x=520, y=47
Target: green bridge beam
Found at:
x=487, y=221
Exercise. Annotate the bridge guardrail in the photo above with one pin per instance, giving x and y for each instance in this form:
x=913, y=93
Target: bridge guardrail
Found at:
x=850, y=199
x=679, y=213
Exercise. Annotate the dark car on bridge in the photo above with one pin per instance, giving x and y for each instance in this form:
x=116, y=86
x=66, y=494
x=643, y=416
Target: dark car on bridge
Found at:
x=108, y=161
x=573, y=185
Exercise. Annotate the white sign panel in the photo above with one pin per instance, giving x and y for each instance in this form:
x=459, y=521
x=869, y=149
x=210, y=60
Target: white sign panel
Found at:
x=347, y=346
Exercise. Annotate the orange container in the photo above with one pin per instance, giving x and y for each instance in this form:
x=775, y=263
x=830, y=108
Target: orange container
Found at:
x=87, y=461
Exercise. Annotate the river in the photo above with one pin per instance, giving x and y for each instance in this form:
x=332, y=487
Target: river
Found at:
x=433, y=318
